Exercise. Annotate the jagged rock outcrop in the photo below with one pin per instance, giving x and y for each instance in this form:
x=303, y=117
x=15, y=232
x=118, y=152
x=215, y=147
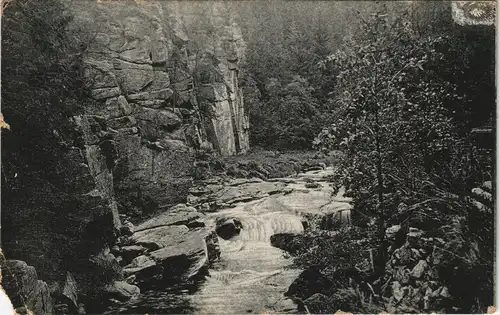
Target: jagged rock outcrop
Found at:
x=76, y=210
x=212, y=196
x=133, y=150
x=26, y=292
x=159, y=98
x=423, y=272
x=170, y=247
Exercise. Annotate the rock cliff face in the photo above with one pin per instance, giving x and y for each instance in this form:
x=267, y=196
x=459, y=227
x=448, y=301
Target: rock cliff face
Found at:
x=60, y=224
x=25, y=291
x=159, y=99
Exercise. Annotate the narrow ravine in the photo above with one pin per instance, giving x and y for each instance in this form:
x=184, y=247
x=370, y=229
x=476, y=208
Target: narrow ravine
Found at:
x=252, y=276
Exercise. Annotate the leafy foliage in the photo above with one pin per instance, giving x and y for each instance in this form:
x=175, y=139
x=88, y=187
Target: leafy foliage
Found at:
x=403, y=103
x=289, y=118
x=393, y=114
x=41, y=88
x=285, y=41
x=41, y=79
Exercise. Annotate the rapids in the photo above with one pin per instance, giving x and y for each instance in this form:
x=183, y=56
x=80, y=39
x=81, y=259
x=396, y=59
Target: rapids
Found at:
x=252, y=276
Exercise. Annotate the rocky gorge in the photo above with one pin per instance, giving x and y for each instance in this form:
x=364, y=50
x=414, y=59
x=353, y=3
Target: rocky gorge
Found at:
x=129, y=185
x=128, y=219
x=208, y=254
x=158, y=96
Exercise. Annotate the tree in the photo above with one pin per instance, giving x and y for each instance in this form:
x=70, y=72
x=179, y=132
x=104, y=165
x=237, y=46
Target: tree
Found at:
x=392, y=120
x=289, y=119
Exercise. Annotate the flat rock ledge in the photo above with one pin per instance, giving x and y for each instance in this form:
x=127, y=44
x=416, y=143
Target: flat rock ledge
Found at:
x=171, y=247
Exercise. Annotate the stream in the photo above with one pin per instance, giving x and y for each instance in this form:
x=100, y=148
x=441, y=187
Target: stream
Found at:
x=252, y=276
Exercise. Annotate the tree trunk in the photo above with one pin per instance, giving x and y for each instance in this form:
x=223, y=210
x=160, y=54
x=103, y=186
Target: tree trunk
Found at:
x=380, y=261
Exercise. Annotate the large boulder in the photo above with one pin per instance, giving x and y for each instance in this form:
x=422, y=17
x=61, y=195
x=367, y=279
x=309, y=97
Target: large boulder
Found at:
x=159, y=237
x=289, y=242
x=309, y=282
x=228, y=228
x=70, y=290
x=129, y=252
x=121, y=291
x=175, y=253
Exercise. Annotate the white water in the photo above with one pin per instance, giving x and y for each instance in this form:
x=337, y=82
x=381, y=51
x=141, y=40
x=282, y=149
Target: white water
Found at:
x=252, y=276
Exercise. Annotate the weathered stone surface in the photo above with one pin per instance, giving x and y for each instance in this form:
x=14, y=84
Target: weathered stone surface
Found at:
x=152, y=103
x=103, y=93
x=213, y=92
x=175, y=145
x=133, y=77
x=70, y=290
x=163, y=94
x=115, y=107
x=158, y=237
x=129, y=252
x=21, y=284
x=132, y=249
x=233, y=194
x=177, y=215
x=127, y=229
x=99, y=74
x=138, y=263
x=122, y=122
x=175, y=252
x=161, y=81
x=158, y=118
x=151, y=173
x=137, y=52
x=121, y=291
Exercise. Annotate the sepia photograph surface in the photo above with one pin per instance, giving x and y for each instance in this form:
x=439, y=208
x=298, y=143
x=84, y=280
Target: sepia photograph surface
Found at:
x=247, y=157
